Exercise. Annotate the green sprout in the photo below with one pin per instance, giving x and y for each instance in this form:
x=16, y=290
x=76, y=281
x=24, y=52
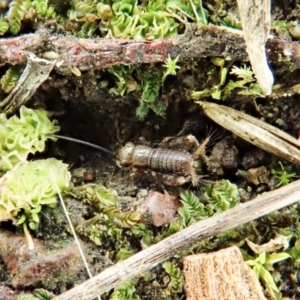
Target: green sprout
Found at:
x=186, y=11
x=43, y=9
x=43, y=294
x=151, y=79
x=244, y=84
x=125, y=291
x=191, y=211
x=10, y=78
x=87, y=29
x=16, y=13
x=124, y=78
x=142, y=231
x=23, y=135
x=280, y=25
x=232, y=22
x=295, y=252
x=149, y=87
x=221, y=196
x=124, y=253
x=262, y=265
x=175, y=274
x=41, y=6
x=195, y=208
x=214, y=198
x=283, y=176
x=171, y=66
x=18, y=9
x=4, y=26
x=27, y=188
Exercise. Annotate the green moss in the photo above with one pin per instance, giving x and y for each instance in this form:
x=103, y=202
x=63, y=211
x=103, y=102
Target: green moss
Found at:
x=43, y=9
x=41, y=6
x=284, y=175
x=214, y=198
x=4, y=26
x=27, y=188
x=26, y=296
x=109, y=220
x=262, y=265
x=43, y=294
x=176, y=284
x=23, y=135
x=10, y=78
x=150, y=81
x=16, y=13
x=244, y=84
x=19, y=10
x=232, y=22
x=137, y=19
x=125, y=291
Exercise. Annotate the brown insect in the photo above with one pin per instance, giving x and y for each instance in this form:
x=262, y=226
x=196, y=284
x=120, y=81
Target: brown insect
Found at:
x=172, y=166
x=175, y=167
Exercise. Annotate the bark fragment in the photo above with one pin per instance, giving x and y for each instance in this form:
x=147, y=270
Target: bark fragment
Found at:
x=220, y=275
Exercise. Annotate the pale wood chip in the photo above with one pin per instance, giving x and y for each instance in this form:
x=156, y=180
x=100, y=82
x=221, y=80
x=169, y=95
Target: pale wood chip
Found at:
x=220, y=275
x=256, y=21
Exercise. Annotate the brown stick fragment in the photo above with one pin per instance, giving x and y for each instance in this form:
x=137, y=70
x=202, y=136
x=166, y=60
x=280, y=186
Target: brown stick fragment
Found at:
x=220, y=275
x=155, y=254
x=99, y=53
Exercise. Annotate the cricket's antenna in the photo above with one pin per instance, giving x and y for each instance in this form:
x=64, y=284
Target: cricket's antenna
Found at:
x=83, y=143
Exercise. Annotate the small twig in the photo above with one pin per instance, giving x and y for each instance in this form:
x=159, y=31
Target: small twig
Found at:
x=148, y=258
x=86, y=54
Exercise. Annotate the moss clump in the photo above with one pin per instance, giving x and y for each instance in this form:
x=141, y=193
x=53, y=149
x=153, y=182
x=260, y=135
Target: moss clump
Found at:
x=135, y=19
x=109, y=220
x=24, y=10
x=215, y=198
x=20, y=136
x=243, y=84
x=16, y=13
x=29, y=186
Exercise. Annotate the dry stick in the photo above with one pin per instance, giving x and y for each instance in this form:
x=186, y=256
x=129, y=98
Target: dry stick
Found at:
x=256, y=23
x=148, y=258
x=86, y=54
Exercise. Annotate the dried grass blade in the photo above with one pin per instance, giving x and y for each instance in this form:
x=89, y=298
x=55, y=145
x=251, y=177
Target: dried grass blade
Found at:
x=253, y=130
